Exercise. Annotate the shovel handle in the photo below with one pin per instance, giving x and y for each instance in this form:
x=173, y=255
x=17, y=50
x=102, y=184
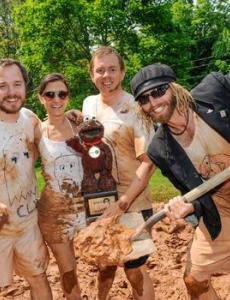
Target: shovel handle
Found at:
x=207, y=185
x=189, y=197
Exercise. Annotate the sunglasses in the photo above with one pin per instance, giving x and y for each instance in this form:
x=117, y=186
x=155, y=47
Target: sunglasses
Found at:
x=60, y=94
x=155, y=93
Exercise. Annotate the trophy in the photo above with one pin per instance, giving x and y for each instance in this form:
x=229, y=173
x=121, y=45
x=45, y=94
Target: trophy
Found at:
x=98, y=186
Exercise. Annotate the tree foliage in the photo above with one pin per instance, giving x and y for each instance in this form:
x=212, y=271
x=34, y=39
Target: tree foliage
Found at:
x=60, y=35
x=8, y=36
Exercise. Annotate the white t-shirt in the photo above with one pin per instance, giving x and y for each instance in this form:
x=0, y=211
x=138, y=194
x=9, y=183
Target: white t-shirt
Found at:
x=125, y=135
x=17, y=174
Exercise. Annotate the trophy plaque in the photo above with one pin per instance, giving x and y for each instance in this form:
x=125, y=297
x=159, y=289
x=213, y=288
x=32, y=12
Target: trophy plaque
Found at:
x=97, y=203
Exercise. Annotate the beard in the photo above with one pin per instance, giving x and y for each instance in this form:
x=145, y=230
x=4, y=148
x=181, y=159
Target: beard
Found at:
x=164, y=117
x=13, y=108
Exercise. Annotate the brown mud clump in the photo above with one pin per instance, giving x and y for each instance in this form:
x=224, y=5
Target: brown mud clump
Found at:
x=104, y=243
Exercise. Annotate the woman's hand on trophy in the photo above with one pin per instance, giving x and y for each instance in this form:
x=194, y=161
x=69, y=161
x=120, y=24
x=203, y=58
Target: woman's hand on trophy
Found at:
x=75, y=116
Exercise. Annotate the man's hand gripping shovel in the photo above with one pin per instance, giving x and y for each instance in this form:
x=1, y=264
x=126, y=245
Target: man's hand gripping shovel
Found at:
x=189, y=197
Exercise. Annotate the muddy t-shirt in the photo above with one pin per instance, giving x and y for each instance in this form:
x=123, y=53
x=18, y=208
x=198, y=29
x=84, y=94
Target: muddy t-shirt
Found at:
x=61, y=206
x=62, y=168
x=17, y=175
x=125, y=135
x=210, y=154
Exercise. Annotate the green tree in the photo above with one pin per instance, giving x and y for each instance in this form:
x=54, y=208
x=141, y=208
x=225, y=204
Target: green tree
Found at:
x=164, y=35
x=8, y=36
x=60, y=35
x=221, y=49
x=210, y=18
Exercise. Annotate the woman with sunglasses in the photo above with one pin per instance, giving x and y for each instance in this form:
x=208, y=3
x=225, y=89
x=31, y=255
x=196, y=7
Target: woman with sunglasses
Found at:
x=61, y=207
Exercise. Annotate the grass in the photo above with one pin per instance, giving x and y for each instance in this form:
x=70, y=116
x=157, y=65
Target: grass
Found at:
x=40, y=180
x=161, y=188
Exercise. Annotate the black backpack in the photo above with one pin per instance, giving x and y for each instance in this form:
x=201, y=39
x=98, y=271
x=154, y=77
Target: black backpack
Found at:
x=214, y=91
x=212, y=97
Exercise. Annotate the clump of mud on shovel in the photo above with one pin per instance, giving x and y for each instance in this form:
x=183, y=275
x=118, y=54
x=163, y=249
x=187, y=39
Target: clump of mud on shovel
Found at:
x=104, y=242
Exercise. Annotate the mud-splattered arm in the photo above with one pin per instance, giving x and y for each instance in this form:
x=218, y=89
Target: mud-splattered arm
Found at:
x=139, y=183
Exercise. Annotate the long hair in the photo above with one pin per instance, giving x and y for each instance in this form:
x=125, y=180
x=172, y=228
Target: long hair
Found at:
x=183, y=100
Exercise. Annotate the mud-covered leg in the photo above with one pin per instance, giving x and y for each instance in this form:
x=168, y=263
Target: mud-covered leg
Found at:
x=40, y=288
x=65, y=258
x=199, y=289
x=105, y=281
x=141, y=283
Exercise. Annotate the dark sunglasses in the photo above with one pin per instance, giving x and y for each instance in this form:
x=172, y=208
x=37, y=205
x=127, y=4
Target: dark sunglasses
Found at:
x=60, y=94
x=155, y=93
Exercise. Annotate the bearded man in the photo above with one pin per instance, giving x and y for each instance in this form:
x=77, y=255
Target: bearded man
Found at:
x=190, y=146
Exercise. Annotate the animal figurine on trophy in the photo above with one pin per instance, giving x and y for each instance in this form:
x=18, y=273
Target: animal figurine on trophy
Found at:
x=96, y=157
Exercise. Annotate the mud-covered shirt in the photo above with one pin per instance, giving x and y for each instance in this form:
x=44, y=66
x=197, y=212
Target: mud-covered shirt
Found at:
x=17, y=173
x=125, y=135
x=210, y=154
x=61, y=206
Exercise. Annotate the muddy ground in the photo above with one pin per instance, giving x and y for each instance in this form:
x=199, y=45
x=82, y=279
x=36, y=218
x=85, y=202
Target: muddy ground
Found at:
x=165, y=267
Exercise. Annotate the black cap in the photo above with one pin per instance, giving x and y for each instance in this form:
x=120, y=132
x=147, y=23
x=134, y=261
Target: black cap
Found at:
x=150, y=77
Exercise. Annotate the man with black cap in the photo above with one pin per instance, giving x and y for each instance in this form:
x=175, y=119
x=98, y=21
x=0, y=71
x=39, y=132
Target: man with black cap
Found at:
x=190, y=145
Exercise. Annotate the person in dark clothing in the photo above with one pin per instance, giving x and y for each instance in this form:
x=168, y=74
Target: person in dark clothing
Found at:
x=191, y=145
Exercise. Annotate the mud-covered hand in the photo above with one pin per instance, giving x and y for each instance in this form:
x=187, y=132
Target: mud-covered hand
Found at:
x=116, y=208
x=74, y=115
x=4, y=215
x=177, y=208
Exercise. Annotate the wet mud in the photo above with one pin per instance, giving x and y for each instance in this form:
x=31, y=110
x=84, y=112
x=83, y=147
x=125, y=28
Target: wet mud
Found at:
x=165, y=266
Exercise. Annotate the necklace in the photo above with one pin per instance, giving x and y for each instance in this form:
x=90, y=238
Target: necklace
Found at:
x=185, y=127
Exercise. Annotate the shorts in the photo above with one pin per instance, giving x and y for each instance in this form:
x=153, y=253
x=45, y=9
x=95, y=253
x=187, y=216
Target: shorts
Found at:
x=131, y=264
x=207, y=256
x=26, y=254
